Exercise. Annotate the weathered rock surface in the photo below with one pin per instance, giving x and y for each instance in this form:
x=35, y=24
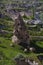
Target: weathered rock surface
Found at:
x=20, y=34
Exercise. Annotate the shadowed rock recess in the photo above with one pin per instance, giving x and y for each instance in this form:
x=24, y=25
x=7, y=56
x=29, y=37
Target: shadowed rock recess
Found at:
x=20, y=34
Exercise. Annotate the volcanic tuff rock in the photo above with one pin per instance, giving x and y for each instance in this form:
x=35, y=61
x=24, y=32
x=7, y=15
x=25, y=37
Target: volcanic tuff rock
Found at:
x=20, y=34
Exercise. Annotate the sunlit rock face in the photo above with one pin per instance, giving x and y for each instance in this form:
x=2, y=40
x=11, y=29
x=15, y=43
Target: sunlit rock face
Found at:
x=20, y=34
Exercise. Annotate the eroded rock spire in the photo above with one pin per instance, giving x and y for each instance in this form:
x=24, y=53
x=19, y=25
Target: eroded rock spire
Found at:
x=20, y=34
x=20, y=31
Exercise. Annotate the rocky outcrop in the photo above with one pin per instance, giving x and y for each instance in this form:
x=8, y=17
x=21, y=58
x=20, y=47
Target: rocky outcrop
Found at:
x=20, y=34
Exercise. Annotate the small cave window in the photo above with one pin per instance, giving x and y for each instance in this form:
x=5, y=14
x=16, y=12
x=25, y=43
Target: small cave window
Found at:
x=18, y=23
x=16, y=30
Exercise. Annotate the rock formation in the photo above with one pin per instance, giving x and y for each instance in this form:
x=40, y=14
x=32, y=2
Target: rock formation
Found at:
x=20, y=34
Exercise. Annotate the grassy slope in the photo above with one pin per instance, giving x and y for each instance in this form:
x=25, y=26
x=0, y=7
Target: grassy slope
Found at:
x=9, y=53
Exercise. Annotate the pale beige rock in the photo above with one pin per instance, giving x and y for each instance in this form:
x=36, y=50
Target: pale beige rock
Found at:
x=15, y=39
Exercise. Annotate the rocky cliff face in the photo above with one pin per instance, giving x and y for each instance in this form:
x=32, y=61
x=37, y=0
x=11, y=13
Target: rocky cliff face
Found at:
x=20, y=35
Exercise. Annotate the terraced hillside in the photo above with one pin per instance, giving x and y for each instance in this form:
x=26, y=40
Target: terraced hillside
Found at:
x=7, y=53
